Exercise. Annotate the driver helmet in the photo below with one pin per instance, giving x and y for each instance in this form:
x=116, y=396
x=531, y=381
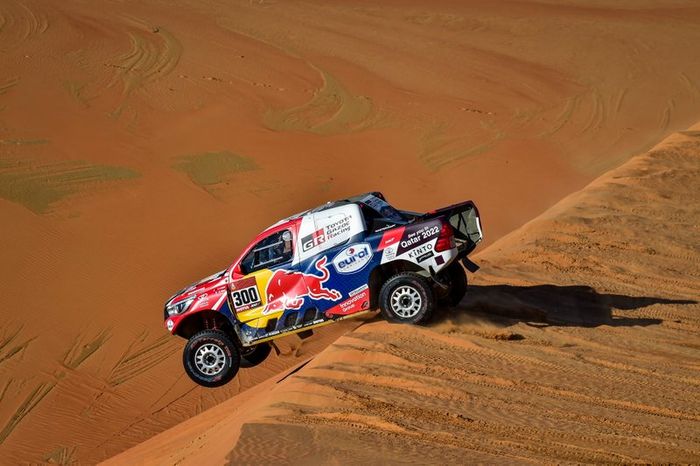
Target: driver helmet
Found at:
x=287, y=240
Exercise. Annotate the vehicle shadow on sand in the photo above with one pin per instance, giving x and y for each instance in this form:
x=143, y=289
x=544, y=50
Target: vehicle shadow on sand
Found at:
x=543, y=305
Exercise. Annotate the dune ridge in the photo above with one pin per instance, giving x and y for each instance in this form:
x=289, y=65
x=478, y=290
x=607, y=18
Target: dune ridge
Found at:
x=144, y=143
x=571, y=346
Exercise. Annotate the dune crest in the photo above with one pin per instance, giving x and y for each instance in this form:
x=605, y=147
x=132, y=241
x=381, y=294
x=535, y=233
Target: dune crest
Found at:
x=576, y=343
x=143, y=144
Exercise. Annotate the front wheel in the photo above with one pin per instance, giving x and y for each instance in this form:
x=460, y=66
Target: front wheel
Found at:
x=406, y=298
x=210, y=358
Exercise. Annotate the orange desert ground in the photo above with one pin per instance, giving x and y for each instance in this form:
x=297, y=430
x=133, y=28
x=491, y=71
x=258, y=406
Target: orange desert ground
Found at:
x=144, y=143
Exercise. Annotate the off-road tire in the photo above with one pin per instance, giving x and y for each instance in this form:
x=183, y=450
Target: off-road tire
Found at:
x=406, y=298
x=458, y=284
x=252, y=356
x=210, y=358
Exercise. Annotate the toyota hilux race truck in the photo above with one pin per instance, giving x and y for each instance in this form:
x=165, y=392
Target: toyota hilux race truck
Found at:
x=336, y=261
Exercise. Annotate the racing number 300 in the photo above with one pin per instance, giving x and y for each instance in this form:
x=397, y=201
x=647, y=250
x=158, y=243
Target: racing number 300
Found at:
x=245, y=296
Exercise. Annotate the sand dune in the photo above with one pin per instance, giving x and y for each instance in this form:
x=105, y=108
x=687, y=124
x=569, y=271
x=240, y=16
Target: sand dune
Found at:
x=142, y=144
x=578, y=342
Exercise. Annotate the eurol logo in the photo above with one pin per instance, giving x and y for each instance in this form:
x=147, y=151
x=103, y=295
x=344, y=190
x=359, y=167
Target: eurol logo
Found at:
x=353, y=258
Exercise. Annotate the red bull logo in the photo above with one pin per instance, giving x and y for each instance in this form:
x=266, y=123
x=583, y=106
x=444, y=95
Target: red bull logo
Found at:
x=287, y=289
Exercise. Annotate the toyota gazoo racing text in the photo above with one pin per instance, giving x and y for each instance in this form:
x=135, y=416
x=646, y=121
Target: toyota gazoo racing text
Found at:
x=339, y=260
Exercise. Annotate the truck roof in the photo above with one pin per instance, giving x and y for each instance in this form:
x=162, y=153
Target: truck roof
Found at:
x=360, y=198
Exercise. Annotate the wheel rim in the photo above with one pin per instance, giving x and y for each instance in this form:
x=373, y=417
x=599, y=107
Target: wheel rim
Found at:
x=210, y=359
x=406, y=301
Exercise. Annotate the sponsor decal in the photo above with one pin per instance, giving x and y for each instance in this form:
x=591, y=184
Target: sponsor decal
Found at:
x=418, y=235
x=338, y=228
x=353, y=258
x=389, y=253
x=384, y=228
x=356, y=303
x=203, y=299
x=358, y=290
x=287, y=288
x=391, y=237
x=421, y=250
x=245, y=294
x=314, y=239
x=424, y=257
x=326, y=233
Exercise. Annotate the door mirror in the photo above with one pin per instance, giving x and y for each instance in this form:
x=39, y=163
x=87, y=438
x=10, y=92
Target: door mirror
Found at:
x=237, y=273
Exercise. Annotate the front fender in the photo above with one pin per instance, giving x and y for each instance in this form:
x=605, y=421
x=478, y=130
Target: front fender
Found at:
x=212, y=300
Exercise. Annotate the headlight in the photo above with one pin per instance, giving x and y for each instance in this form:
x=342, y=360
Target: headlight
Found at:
x=179, y=308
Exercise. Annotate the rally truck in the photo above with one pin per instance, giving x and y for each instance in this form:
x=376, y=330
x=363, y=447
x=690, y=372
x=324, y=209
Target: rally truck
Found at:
x=339, y=260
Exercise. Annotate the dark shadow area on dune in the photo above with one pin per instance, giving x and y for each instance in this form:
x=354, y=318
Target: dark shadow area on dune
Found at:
x=579, y=305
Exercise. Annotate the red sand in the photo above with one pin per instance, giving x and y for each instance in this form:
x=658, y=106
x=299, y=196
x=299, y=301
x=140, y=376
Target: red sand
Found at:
x=553, y=356
x=514, y=104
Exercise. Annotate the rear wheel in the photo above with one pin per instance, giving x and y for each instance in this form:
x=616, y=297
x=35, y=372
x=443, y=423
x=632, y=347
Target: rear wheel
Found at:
x=406, y=298
x=254, y=355
x=210, y=358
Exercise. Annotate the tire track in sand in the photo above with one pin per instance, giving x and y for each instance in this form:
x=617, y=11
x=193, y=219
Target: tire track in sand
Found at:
x=8, y=84
x=7, y=352
x=665, y=119
x=80, y=350
x=19, y=23
x=439, y=148
x=590, y=103
x=564, y=117
x=30, y=402
x=154, y=53
x=690, y=84
x=140, y=356
x=333, y=109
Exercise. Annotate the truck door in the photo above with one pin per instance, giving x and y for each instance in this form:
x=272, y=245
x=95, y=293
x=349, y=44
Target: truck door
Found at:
x=324, y=237
x=267, y=284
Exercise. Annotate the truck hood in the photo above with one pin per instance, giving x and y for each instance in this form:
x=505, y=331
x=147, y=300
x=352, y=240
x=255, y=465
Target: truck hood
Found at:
x=197, y=288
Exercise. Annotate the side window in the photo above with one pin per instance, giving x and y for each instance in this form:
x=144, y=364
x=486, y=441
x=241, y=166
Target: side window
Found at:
x=274, y=250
